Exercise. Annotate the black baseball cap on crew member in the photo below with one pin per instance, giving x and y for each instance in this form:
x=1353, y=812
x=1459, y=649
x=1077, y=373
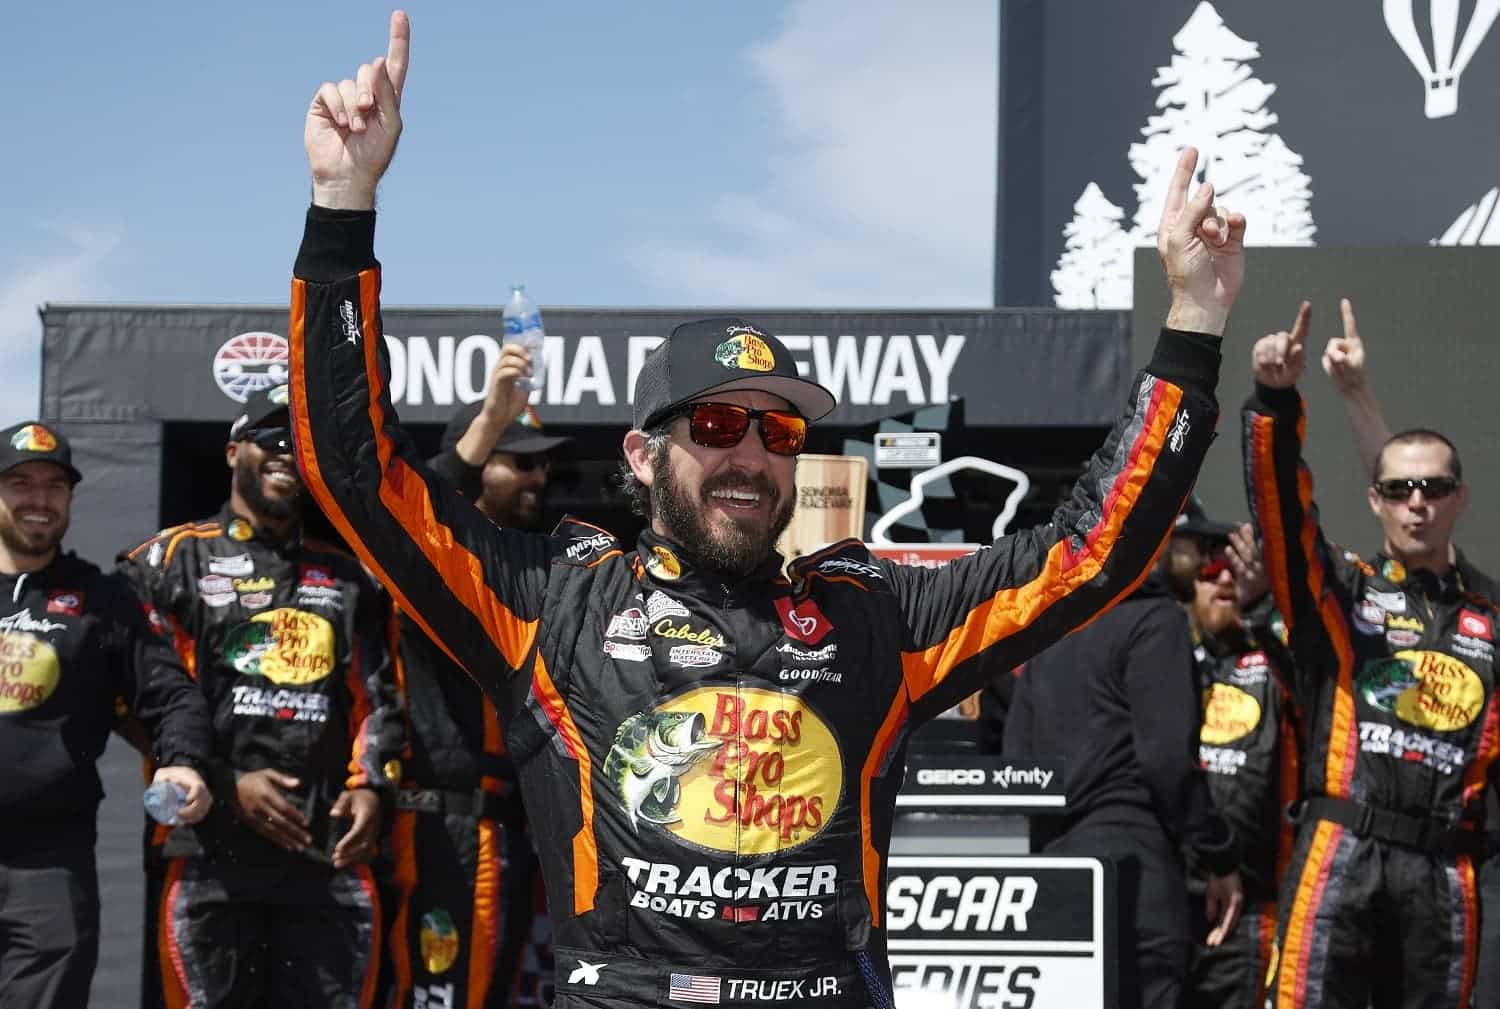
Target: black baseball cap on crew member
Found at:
x=1194, y=521
x=722, y=355
x=522, y=436
x=33, y=441
x=260, y=407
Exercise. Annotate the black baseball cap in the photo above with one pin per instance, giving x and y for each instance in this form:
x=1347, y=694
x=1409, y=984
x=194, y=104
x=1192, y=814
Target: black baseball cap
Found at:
x=722, y=355
x=33, y=441
x=522, y=436
x=1194, y=521
x=261, y=407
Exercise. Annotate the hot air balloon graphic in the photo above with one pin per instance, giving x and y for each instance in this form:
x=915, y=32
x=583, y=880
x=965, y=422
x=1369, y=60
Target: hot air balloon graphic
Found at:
x=1441, y=73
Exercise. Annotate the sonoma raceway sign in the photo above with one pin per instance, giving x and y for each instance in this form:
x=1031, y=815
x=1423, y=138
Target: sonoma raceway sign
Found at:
x=1010, y=367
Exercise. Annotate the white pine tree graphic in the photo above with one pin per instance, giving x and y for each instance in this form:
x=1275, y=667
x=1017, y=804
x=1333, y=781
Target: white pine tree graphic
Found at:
x=1479, y=224
x=1211, y=100
x=1094, y=269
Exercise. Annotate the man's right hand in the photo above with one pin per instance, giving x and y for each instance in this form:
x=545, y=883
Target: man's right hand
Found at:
x=1344, y=357
x=1203, y=251
x=352, y=126
x=1278, y=358
x=260, y=803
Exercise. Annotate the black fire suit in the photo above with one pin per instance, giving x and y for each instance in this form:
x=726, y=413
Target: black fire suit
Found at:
x=76, y=651
x=1394, y=672
x=465, y=874
x=1115, y=702
x=288, y=644
x=711, y=768
x=1247, y=744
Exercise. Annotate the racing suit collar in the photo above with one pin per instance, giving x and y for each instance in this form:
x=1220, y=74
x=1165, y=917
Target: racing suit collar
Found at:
x=232, y=521
x=1444, y=588
x=669, y=565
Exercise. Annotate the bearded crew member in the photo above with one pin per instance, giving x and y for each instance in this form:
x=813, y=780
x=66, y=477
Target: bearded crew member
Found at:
x=270, y=901
x=76, y=651
x=469, y=922
x=713, y=824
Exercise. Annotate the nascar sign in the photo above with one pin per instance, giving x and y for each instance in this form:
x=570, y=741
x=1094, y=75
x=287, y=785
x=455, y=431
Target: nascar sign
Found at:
x=991, y=932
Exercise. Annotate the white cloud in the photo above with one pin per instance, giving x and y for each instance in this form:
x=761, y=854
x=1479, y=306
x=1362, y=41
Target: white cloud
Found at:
x=68, y=272
x=882, y=190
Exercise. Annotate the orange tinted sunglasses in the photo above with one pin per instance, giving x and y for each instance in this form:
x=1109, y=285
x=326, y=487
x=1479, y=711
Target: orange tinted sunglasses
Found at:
x=723, y=425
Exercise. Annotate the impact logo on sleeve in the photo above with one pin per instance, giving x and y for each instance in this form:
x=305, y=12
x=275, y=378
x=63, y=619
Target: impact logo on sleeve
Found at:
x=804, y=621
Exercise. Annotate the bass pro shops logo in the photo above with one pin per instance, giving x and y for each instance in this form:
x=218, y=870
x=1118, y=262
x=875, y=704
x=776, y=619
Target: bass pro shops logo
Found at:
x=1430, y=690
x=743, y=771
x=288, y=647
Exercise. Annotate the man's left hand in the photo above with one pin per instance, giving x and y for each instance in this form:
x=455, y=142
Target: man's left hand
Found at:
x=1222, y=903
x=1203, y=251
x=362, y=806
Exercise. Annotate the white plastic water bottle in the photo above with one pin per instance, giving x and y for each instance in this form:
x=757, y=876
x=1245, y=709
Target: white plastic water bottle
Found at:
x=523, y=325
x=164, y=801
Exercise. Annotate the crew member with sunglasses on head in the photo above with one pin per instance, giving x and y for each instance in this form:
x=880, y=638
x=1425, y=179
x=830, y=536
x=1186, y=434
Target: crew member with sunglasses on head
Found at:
x=270, y=900
x=1394, y=673
x=710, y=750
x=468, y=924
x=1117, y=702
x=1247, y=745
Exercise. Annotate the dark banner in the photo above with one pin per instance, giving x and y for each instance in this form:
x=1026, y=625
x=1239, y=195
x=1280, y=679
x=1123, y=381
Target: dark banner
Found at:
x=104, y=363
x=1326, y=123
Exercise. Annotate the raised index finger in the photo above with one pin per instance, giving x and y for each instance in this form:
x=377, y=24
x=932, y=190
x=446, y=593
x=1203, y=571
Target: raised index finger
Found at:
x=398, y=52
x=1304, y=320
x=1351, y=328
x=1177, y=189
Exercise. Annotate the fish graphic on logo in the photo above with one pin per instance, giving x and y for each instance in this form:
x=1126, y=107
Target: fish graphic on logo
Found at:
x=246, y=645
x=1384, y=680
x=651, y=751
x=745, y=351
x=33, y=438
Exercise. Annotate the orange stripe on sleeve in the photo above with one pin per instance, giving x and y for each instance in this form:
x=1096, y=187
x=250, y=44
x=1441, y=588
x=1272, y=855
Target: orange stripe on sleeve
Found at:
x=884, y=740
x=421, y=535
x=1063, y=572
x=174, y=986
x=585, y=847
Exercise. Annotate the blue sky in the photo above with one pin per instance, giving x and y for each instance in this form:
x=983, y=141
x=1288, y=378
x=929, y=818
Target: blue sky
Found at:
x=790, y=153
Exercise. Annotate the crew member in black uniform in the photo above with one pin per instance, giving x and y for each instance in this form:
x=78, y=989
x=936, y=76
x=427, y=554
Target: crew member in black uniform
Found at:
x=270, y=901
x=1117, y=702
x=77, y=651
x=469, y=926
x=1247, y=745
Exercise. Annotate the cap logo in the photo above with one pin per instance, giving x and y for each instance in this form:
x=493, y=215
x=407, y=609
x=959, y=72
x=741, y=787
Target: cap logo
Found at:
x=33, y=438
x=278, y=395
x=745, y=351
x=530, y=418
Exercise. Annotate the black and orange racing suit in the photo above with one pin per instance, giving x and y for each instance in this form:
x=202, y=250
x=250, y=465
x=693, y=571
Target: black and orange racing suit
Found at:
x=711, y=767
x=1394, y=672
x=466, y=898
x=1248, y=747
x=288, y=643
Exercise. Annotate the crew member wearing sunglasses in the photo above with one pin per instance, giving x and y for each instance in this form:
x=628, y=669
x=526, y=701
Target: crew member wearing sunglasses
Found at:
x=710, y=750
x=270, y=900
x=1247, y=746
x=1394, y=673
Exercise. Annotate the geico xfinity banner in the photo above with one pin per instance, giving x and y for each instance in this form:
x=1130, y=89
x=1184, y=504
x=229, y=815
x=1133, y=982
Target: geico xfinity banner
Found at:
x=198, y=363
x=997, y=932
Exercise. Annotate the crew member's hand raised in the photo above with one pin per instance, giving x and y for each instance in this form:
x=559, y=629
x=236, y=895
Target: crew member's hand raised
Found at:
x=1278, y=358
x=352, y=126
x=1203, y=250
x=1344, y=357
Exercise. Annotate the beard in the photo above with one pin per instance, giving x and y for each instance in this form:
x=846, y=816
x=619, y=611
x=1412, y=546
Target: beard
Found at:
x=25, y=543
x=730, y=547
x=247, y=481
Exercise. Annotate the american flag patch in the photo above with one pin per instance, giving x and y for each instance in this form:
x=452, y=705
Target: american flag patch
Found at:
x=694, y=988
